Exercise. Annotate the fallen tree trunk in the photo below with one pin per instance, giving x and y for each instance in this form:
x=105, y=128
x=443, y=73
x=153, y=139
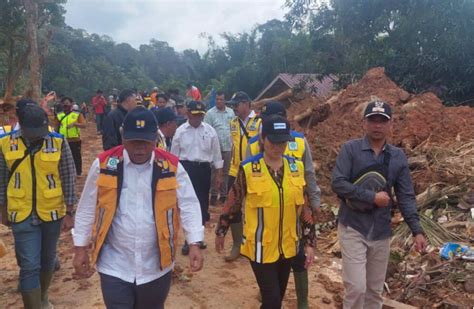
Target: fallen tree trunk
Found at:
x=257, y=105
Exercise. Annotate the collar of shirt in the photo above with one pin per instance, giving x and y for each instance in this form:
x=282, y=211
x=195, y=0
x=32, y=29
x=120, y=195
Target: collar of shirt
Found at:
x=161, y=134
x=366, y=144
x=127, y=162
x=188, y=126
x=252, y=114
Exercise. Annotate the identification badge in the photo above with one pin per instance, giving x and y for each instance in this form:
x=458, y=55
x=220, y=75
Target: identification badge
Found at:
x=293, y=146
x=112, y=163
x=293, y=167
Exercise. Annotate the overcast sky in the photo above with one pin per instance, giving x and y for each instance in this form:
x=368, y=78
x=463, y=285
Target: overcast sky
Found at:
x=179, y=22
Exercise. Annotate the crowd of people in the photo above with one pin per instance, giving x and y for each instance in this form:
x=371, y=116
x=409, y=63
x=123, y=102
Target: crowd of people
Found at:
x=165, y=160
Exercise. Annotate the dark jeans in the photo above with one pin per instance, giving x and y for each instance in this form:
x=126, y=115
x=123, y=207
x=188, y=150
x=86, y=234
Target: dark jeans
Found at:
x=200, y=175
x=272, y=279
x=99, y=119
x=35, y=249
x=76, y=155
x=119, y=294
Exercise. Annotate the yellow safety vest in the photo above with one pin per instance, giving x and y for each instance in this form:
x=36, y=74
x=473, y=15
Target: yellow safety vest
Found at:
x=272, y=225
x=294, y=148
x=240, y=140
x=65, y=121
x=164, y=187
x=34, y=183
x=5, y=129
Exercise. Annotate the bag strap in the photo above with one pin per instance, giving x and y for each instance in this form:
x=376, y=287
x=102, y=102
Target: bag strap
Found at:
x=244, y=129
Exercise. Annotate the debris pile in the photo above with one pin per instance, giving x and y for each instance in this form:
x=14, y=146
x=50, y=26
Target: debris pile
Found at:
x=439, y=143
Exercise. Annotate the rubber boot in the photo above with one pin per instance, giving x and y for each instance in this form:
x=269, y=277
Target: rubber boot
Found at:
x=32, y=299
x=237, y=231
x=301, y=286
x=45, y=280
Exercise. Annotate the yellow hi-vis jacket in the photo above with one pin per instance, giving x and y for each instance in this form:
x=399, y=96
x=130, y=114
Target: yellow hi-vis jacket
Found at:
x=272, y=223
x=294, y=148
x=34, y=183
x=240, y=137
x=5, y=129
x=164, y=186
x=65, y=121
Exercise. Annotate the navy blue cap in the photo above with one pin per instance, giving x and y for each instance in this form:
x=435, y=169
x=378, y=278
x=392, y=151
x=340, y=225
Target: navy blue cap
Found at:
x=33, y=121
x=164, y=115
x=140, y=124
x=273, y=108
x=276, y=128
x=238, y=97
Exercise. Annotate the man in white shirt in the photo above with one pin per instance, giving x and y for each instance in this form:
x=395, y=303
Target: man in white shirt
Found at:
x=197, y=146
x=134, y=200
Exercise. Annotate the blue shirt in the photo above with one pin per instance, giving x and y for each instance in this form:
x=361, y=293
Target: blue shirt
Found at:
x=356, y=155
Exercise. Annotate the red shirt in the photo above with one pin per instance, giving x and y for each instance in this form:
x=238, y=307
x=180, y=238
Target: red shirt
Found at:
x=99, y=104
x=194, y=93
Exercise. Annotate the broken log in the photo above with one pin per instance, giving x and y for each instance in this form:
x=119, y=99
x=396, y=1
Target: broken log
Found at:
x=257, y=105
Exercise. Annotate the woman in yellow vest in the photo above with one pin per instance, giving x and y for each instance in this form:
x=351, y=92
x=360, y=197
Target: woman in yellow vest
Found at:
x=271, y=186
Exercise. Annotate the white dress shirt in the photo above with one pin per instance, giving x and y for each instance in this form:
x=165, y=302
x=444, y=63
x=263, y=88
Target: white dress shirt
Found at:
x=130, y=250
x=199, y=144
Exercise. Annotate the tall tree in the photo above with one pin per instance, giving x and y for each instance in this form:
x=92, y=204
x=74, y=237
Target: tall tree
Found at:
x=31, y=12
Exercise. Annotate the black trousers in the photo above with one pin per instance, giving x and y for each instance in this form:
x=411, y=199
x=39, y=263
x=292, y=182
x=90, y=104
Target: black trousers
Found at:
x=119, y=294
x=299, y=259
x=272, y=279
x=76, y=155
x=200, y=175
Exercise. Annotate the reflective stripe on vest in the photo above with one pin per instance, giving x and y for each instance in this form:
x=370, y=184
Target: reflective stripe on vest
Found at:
x=272, y=213
x=65, y=121
x=239, y=141
x=164, y=186
x=43, y=179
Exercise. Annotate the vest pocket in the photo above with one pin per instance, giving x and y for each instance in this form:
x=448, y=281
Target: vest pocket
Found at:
x=259, y=194
x=166, y=193
x=16, y=193
x=13, y=155
x=298, y=184
x=52, y=193
x=50, y=156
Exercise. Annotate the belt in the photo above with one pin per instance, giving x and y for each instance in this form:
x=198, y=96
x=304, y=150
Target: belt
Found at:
x=195, y=163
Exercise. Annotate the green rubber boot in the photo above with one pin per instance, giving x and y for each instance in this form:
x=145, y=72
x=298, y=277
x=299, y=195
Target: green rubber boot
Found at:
x=32, y=299
x=301, y=286
x=237, y=230
x=45, y=280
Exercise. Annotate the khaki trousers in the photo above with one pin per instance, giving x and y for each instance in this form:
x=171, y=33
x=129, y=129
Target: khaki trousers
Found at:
x=364, y=266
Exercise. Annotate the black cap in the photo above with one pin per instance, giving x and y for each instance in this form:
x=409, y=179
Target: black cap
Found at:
x=378, y=107
x=164, y=115
x=277, y=129
x=21, y=104
x=196, y=107
x=33, y=121
x=140, y=124
x=273, y=108
x=238, y=97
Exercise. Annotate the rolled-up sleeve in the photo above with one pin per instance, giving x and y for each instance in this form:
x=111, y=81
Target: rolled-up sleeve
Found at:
x=85, y=214
x=341, y=176
x=190, y=210
x=312, y=189
x=406, y=197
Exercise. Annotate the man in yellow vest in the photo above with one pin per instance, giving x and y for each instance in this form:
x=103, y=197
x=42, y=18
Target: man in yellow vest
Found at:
x=243, y=127
x=69, y=124
x=297, y=148
x=37, y=186
x=134, y=200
